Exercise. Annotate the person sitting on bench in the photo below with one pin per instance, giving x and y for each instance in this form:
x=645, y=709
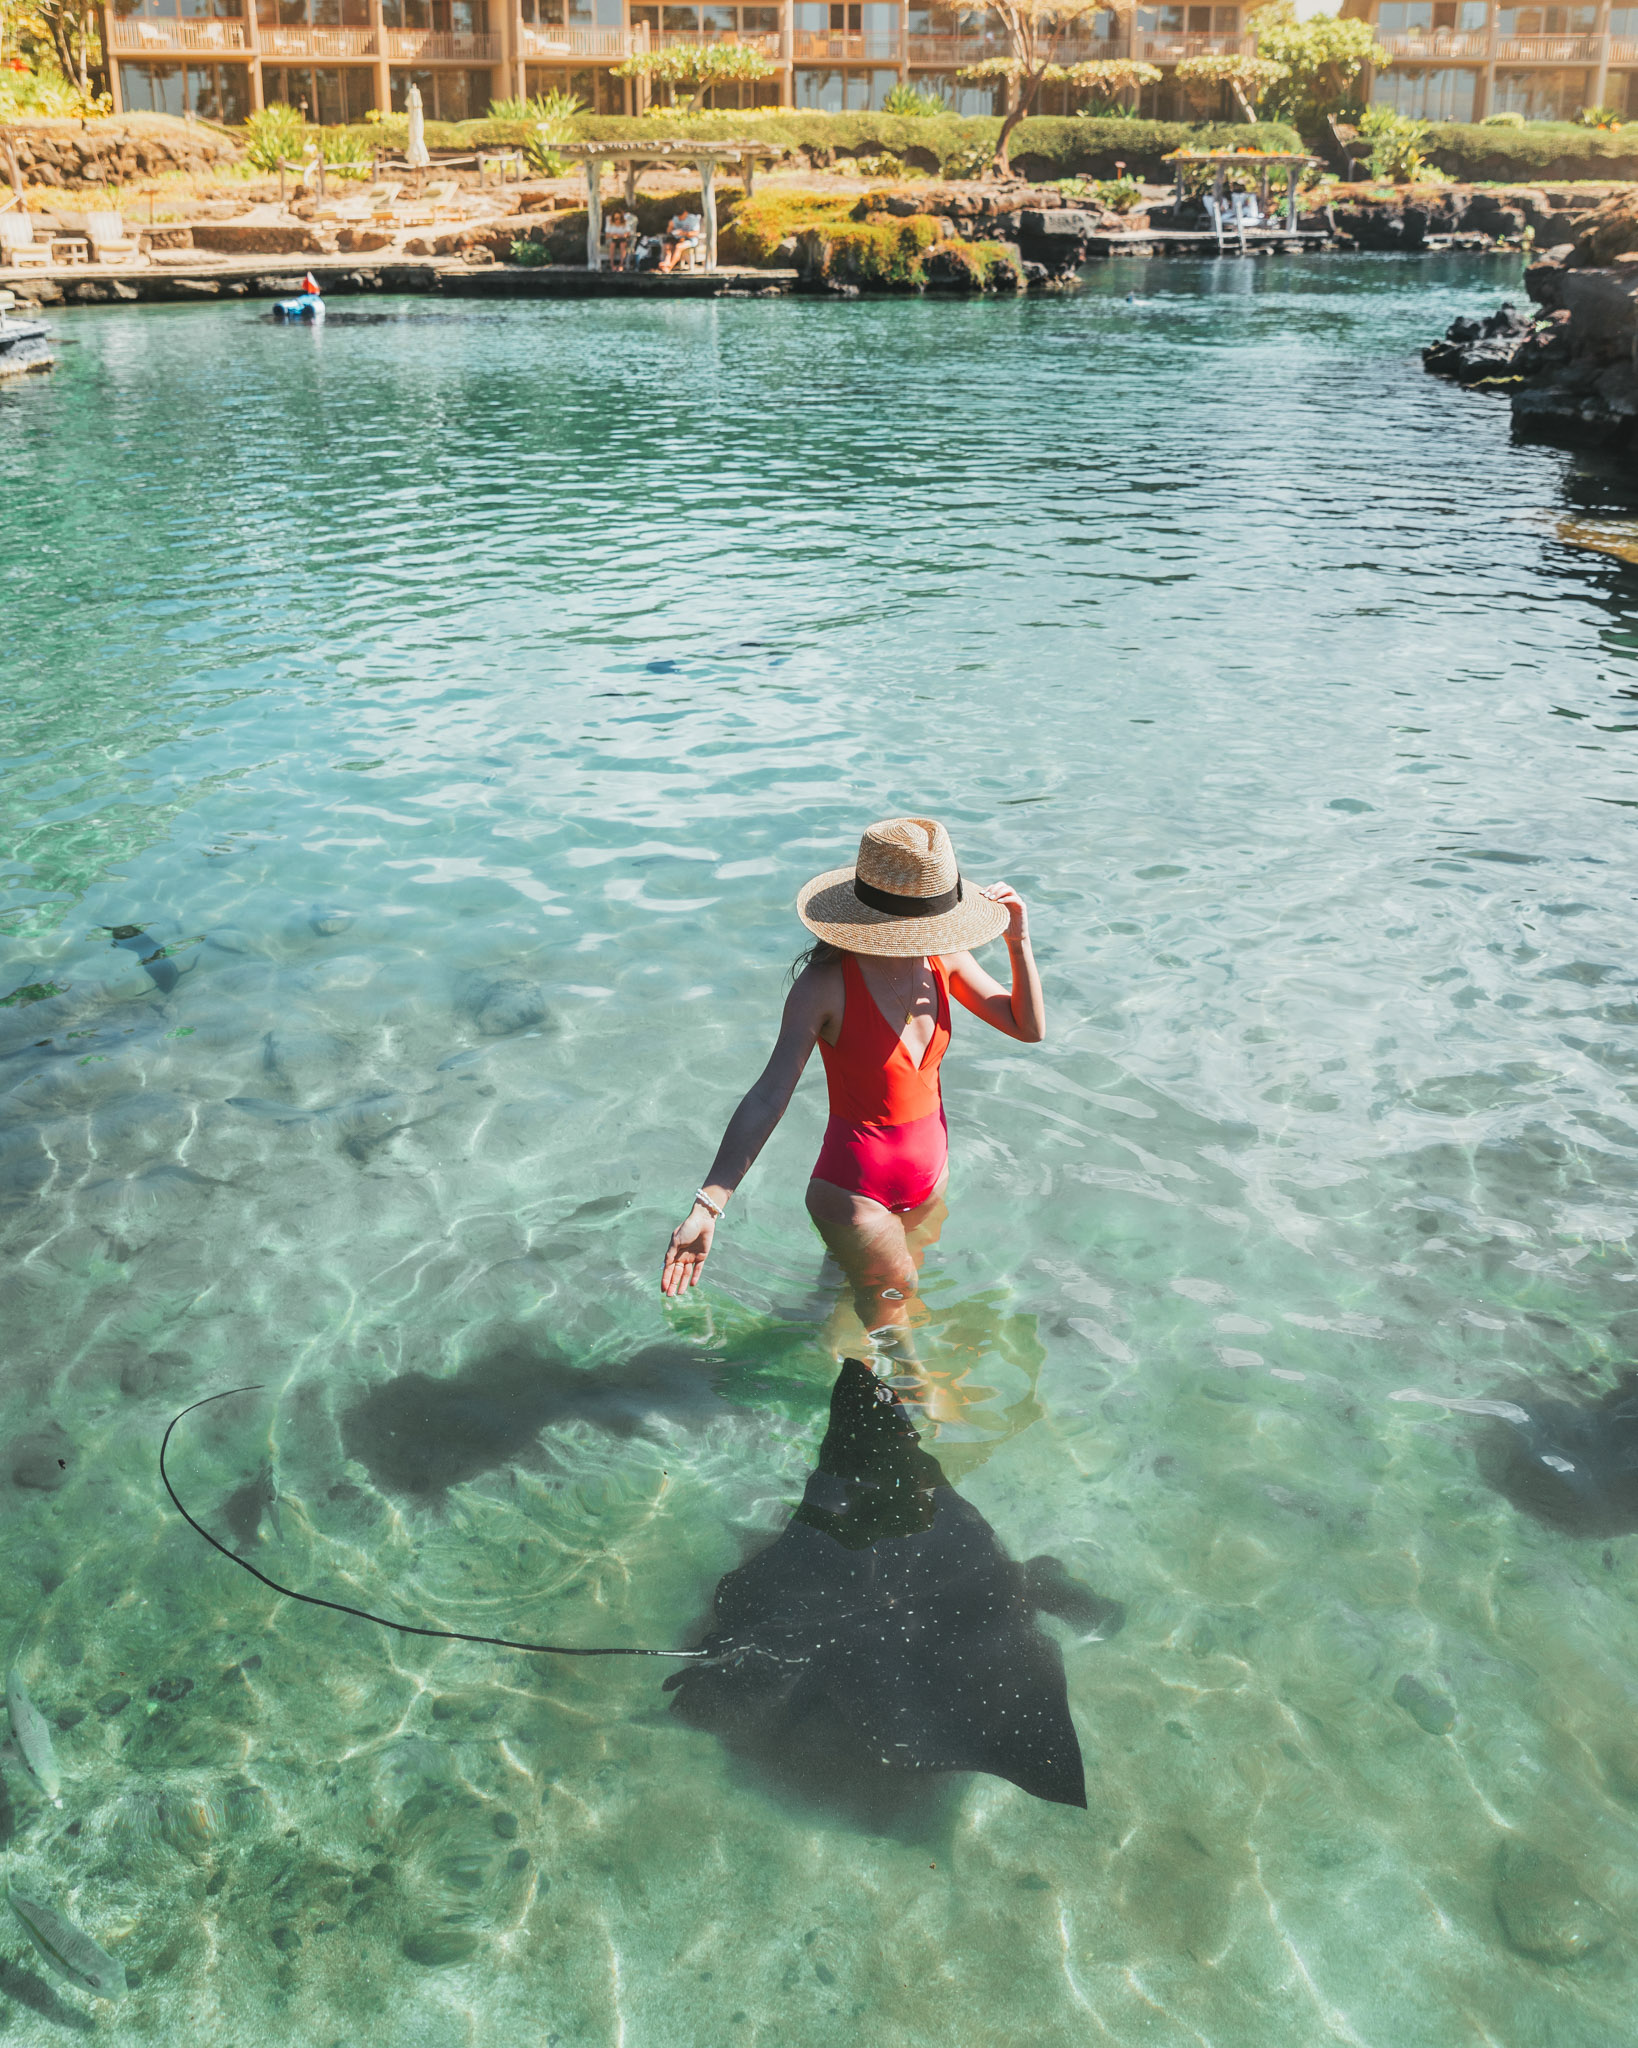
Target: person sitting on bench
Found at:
x=682, y=233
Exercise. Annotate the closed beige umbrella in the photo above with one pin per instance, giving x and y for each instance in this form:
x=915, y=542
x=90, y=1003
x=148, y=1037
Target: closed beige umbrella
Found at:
x=415, y=153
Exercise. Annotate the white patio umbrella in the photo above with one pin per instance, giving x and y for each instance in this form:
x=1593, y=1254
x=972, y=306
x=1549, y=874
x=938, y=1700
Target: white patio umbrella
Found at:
x=415, y=153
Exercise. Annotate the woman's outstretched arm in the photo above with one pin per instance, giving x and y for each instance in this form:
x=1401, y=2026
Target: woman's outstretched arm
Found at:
x=1020, y=1012
x=751, y=1126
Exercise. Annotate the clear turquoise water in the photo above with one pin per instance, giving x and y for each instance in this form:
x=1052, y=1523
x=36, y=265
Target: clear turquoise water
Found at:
x=556, y=646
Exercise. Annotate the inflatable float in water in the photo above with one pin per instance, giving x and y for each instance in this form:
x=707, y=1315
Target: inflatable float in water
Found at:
x=309, y=307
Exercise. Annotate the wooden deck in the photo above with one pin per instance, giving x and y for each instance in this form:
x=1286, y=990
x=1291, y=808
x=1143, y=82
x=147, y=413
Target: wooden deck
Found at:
x=1201, y=242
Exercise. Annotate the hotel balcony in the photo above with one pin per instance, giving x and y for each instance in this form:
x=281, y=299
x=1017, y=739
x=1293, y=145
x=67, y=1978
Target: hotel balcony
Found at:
x=433, y=46
x=765, y=45
x=947, y=51
x=1474, y=46
x=1164, y=49
x=325, y=45
x=556, y=45
x=177, y=38
x=815, y=46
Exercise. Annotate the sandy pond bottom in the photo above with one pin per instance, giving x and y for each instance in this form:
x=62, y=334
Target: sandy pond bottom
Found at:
x=459, y=697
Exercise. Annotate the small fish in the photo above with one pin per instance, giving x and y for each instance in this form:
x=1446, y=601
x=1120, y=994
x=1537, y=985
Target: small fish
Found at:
x=33, y=1738
x=162, y=972
x=1504, y=1411
x=246, y=1505
x=68, y=1949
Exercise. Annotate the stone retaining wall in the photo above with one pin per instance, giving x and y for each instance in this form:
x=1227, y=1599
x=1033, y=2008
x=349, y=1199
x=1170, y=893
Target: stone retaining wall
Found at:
x=73, y=155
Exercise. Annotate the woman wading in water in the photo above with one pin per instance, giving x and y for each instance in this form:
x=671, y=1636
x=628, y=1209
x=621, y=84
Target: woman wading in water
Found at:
x=893, y=937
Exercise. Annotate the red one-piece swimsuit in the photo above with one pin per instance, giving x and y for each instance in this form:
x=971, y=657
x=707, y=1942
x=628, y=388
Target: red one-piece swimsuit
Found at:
x=887, y=1138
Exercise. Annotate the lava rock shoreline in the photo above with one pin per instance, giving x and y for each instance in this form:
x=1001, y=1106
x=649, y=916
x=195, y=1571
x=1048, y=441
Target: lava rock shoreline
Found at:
x=1570, y=369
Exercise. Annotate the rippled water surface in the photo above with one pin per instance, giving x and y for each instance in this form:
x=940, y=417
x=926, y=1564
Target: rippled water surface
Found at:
x=458, y=696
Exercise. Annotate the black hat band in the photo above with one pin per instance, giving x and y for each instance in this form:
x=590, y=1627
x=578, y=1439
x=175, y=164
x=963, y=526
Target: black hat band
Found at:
x=906, y=906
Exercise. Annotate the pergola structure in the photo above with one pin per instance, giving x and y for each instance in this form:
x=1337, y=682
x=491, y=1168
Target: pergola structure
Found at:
x=1265, y=164
x=637, y=156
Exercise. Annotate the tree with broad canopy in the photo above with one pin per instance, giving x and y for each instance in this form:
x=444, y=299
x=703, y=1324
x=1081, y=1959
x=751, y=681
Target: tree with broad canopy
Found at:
x=1034, y=33
x=696, y=67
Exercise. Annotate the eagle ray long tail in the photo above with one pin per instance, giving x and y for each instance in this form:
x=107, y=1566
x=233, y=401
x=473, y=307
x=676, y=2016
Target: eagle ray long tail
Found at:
x=406, y=1628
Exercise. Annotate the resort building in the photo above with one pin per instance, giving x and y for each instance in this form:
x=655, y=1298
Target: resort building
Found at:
x=339, y=58
x=1458, y=60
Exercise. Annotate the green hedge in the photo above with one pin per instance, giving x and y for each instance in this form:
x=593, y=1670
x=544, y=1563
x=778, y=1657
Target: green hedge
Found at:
x=1525, y=156
x=1059, y=147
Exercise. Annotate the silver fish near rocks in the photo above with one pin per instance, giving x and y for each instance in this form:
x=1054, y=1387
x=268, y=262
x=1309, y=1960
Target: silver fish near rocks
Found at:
x=33, y=1738
x=68, y=1949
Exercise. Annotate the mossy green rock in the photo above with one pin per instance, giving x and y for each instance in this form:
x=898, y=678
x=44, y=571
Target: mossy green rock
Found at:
x=1544, y=1908
x=440, y=1948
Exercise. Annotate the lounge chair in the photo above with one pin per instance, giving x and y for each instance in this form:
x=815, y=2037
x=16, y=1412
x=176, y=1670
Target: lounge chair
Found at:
x=432, y=205
x=109, y=241
x=1246, y=210
x=375, y=204
x=18, y=248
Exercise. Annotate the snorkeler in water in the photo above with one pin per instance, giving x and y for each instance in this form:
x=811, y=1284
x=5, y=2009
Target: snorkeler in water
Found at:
x=893, y=939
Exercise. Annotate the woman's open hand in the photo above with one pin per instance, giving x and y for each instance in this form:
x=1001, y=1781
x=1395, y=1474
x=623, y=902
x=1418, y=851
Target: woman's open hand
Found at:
x=1017, y=915
x=688, y=1250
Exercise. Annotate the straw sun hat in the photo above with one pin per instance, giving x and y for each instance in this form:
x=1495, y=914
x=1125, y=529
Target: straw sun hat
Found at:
x=904, y=896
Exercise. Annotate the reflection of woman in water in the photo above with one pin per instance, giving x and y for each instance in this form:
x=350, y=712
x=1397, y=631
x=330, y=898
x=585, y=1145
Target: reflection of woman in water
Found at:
x=893, y=938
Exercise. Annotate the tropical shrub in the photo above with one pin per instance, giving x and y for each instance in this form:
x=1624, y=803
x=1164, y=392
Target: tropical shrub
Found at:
x=24, y=90
x=530, y=255
x=1120, y=195
x=1510, y=117
x=1599, y=117
x=972, y=161
x=1396, y=144
x=886, y=166
x=347, y=153
x=905, y=100
x=275, y=135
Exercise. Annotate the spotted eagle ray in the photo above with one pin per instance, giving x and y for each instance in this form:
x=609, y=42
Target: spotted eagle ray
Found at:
x=886, y=1625
x=1571, y=1463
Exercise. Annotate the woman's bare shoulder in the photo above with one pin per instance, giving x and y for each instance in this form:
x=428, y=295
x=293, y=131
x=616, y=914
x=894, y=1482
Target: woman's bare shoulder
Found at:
x=818, y=992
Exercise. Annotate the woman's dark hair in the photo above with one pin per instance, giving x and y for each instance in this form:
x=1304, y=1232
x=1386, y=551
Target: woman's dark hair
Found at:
x=820, y=954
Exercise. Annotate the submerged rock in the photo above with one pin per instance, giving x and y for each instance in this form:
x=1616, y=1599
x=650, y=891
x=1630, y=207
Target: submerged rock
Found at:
x=505, y=1005
x=1428, y=1709
x=1544, y=1908
x=439, y=1947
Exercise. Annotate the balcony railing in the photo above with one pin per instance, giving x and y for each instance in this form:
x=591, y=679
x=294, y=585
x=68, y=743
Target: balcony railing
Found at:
x=1624, y=49
x=1438, y=42
x=813, y=46
x=432, y=46
x=1547, y=49
x=170, y=38
x=1161, y=49
x=550, y=44
x=326, y=44
x=691, y=39
x=953, y=51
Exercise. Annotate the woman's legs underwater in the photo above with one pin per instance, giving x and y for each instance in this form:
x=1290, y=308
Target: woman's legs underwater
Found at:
x=879, y=1252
